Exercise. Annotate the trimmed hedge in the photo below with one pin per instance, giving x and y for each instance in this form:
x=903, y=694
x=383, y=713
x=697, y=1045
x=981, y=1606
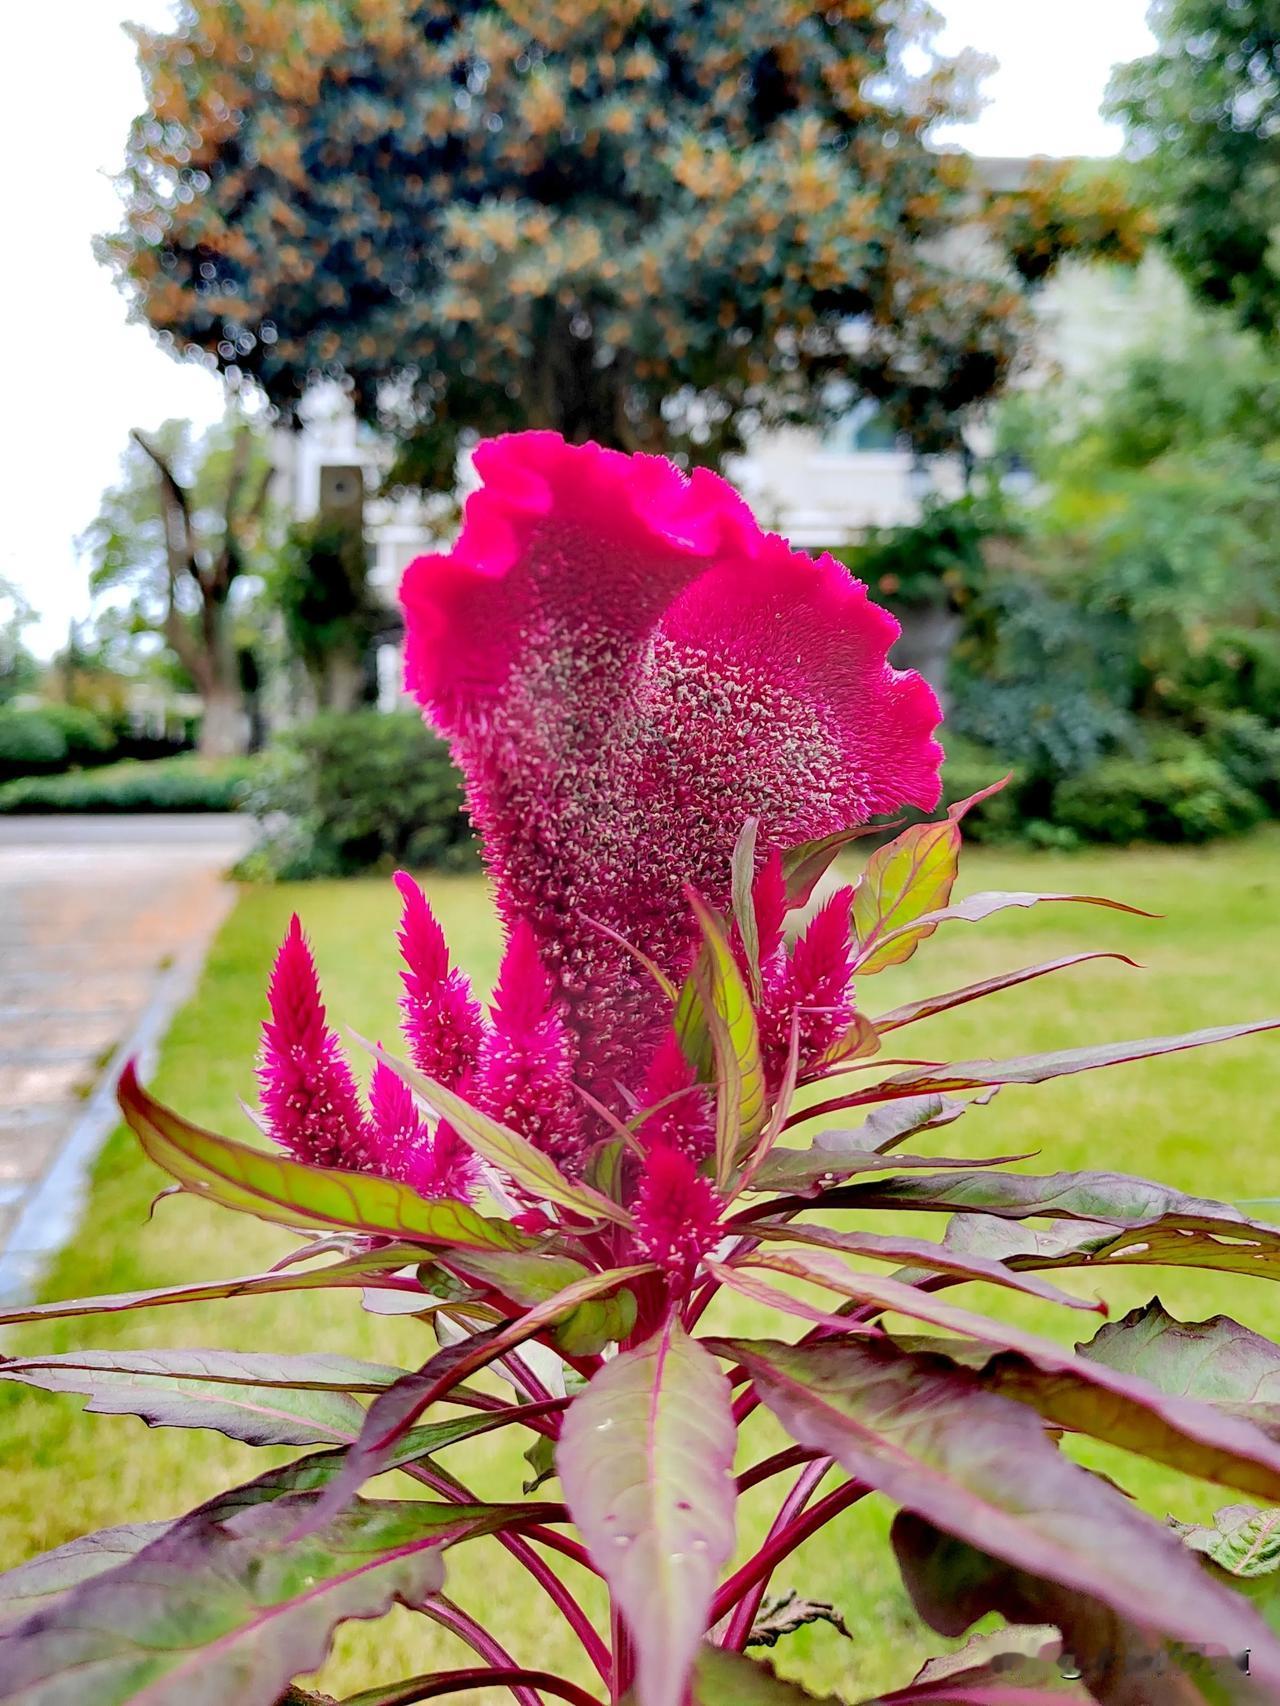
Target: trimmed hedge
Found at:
x=41, y=739
x=183, y=784
x=358, y=791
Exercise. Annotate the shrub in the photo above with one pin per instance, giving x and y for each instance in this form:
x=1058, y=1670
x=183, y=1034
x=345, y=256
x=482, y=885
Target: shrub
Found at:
x=183, y=784
x=1179, y=793
x=350, y=792
x=42, y=739
x=968, y=769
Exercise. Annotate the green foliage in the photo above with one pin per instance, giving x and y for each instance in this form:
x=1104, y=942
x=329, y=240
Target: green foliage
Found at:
x=19, y=670
x=321, y=588
x=186, y=783
x=351, y=792
x=940, y=559
x=643, y=226
x=41, y=739
x=1180, y=793
x=1203, y=116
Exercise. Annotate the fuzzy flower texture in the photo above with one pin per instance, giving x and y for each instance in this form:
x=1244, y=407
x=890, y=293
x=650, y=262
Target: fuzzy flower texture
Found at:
x=627, y=668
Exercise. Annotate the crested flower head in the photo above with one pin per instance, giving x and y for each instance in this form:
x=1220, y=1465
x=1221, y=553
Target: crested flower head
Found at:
x=627, y=668
x=309, y=1097
x=677, y=1213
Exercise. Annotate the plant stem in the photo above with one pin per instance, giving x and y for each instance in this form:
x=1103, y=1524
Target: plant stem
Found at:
x=623, y=1653
x=743, y=1620
x=479, y=1676
x=768, y=1467
x=782, y=1545
x=450, y=1616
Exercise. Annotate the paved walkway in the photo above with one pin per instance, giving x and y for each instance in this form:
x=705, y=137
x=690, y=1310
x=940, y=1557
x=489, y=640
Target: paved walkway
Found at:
x=103, y=925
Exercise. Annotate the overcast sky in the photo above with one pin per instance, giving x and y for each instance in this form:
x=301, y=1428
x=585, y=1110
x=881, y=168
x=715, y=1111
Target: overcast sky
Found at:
x=77, y=377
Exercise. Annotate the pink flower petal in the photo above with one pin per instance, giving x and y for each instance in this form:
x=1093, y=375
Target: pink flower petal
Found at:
x=628, y=667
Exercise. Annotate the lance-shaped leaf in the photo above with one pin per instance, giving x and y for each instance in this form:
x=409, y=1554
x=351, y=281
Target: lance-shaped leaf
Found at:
x=1218, y=1362
x=1117, y=1200
x=805, y=865
x=981, y=1468
x=646, y=1464
x=505, y=1149
x=811, y=1172
x=393, y=1413
x=918, y=1253
x=354, y=1271
x=531, y=1277
x=290, y=1193
x=230, y=1610
x=742, y=882
x=904, y=880
x=715, y=1019
x=34, y=1585
x=975, y=907
x=258, y=1398
x=1068, y=1388
x=1075, y=1244
x=929, y=1005
x=1123, y=1660
x=1033, y=1068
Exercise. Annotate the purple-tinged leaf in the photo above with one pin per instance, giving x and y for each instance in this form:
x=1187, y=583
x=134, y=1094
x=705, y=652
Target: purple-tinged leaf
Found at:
x=980, y=1468
x=1076, y=1244
x=354, y=1271
x=1064, y=1387
x=231, y=1609
x=529, y=1277
x=33, y=1586
x=1032, y=1068
x=721, y=1007
x=522, y=1682
x=805, y=865
x=505, y=1149
x=838, y=1155
x=393, y=1413
x=646, y=1463
x=290, y=1193
x=1218, y=1362
x=919, y=1253
x=1123, y=1661
x=903, y=881
x=743, y=876
x=929, y=1005
x=975, y=907
x=258, y=1398
x=1003, y=1653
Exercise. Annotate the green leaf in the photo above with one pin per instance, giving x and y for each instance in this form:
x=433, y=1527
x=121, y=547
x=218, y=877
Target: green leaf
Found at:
x=531, y=1277
x=507, y=1150
x=1123, y=1661
x=290, y=1193
x=646, y=1464
x=1243, y=1541
x=980, y=1468
x=722, y=1678
x=1218, y=1362
x=724, y=1010
x=744, y=906
x=36, y=1584
x=232, y=1608
x=902, y=880
x=259, y=1398
x=1074, y=1244
x=804, y=866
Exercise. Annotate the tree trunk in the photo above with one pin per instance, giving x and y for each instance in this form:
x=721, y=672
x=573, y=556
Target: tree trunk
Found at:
x=343, y=684
x=224, y=726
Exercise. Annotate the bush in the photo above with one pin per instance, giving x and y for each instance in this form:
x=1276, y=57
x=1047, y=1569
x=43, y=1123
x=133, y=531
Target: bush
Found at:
x=46, y=738
x=356, y=791
x=1248, y=748
x=970, y=768
x=184, y=784
x=1180, y=793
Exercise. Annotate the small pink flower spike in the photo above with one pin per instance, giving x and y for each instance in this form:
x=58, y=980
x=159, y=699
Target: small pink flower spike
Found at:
x=817, y=984
x=769, y=897
x=683, y=1116
x=524, y=1076
x=435, y=1163
x=309, y=1095
x=442, y=1023
x=677, y=1213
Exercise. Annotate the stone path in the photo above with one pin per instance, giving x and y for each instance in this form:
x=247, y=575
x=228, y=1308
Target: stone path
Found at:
x=103, y=925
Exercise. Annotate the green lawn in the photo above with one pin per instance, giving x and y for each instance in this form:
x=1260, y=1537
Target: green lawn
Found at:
x=1205, y=1121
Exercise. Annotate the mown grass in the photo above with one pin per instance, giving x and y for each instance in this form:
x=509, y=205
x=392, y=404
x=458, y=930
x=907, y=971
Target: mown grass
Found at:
x=1205, y=1121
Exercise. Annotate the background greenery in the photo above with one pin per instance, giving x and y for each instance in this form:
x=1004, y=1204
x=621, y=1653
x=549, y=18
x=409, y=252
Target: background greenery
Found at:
x=1201, y=1121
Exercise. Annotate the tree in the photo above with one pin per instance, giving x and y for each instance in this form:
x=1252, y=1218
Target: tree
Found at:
x=650, y=224
x=1203, y=116
x=330, y=616
x=180, y=535
x=19, y=670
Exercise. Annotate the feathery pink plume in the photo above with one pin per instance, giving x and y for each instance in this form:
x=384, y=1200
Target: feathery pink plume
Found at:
x=677, y=1213
x=769, y=896
x=442, y=1020
x=817, y=984
x=436, y=1163
x=524, y=1076
x=309, y=1095
x=687, y=1120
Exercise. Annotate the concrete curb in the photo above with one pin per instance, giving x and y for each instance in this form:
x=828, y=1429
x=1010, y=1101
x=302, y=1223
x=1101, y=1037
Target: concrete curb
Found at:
x=51, y=1212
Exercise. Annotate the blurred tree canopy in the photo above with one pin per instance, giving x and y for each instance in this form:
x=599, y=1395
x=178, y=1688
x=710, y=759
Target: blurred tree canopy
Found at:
x=19, y=670
x=653, y=222
x=1203, y=116
x=329, y=612
x=177, y=542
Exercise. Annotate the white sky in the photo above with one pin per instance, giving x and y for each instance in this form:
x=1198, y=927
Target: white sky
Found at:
x=76, y=377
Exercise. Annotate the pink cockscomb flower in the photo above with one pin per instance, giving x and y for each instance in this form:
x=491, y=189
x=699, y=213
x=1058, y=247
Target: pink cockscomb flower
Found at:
x=434, y=1161
x=525, y=1073
x=442, y=1020
x=627, y=668
x=309, y=1096
x=677, y=1213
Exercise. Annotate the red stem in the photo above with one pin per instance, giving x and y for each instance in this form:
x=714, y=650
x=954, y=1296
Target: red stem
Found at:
x=450, y=1616
x=768, y=1467
x=782, y=1545
x=457, y=1681
x=743, y=1620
